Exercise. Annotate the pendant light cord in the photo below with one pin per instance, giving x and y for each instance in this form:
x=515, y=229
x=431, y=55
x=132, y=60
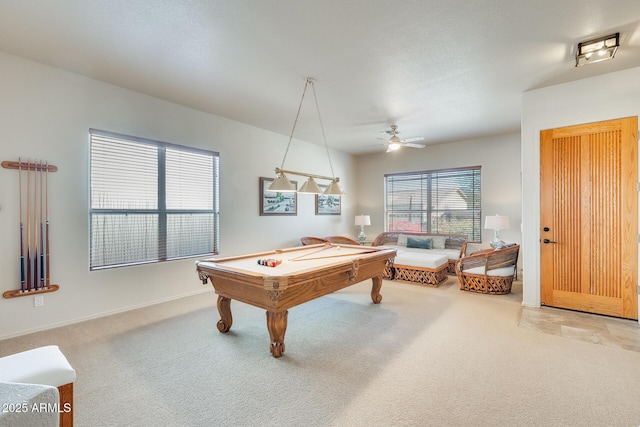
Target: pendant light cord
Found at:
x=295, y=122
x=310, y=81
x=324, y=137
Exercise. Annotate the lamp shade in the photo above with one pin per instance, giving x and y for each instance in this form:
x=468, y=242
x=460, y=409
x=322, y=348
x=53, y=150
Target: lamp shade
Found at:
x=310, y=186
x=334, y=189
x=363, y=220
x=496, y=222
x=282, y=185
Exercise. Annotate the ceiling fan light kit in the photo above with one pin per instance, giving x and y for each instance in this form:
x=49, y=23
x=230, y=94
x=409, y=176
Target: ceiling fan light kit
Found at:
x=395, y=143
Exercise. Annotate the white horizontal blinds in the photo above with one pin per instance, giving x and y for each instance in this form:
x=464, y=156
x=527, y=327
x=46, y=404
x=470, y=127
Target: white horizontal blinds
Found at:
x=124, y=175
x=440, y=201
x=456, y=203
x=405, y=200
x=190, y=194
x=189, y=180
x=124, y=202
x=120, y=239
x=150, y=201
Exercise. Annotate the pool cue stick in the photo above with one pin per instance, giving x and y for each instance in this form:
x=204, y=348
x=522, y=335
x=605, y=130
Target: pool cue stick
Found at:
x=35, y=226
x=23, y=283
x=332, y=256
x=46, y=192
x=28, y=224
x=324, y=247
x=41, y=232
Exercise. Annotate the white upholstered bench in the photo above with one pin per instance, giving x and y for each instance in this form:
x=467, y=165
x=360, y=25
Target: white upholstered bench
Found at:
x=419, y=267
x=47, y=366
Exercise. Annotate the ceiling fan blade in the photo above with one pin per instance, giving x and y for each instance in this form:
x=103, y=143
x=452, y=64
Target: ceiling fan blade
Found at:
x=412, y=145
x=413, y=139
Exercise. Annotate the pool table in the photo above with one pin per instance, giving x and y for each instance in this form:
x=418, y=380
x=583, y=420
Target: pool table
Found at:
x=304, y=273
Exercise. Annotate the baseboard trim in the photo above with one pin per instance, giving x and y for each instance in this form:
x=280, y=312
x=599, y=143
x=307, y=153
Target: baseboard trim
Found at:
x=103, y=314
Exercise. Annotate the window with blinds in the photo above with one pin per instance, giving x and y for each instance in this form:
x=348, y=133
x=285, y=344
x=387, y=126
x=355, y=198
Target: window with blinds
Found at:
x=150, y=201
x=437, y=201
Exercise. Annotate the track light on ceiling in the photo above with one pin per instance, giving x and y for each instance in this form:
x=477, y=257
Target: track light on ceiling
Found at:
x=282, y=184
x=596, y=50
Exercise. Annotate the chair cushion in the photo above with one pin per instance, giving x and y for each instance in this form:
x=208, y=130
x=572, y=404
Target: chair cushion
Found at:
x=502, y=272
x=29, y=399
x=42, y=365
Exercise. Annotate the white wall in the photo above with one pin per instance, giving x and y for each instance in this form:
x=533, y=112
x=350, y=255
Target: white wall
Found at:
x=45, y=113
x=606, y=97
x=499, y=157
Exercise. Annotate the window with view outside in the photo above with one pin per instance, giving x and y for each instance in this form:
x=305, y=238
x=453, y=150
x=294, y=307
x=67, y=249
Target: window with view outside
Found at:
x=437, y=201
x=150, y=201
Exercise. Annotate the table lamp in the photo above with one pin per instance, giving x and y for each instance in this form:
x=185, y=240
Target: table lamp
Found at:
x=362, y=220
x=496, y=223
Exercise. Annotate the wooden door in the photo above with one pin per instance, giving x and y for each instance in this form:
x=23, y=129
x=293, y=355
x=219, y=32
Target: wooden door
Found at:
x=589, y=217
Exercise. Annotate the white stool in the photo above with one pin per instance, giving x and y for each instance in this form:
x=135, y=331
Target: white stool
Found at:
x=43, y=365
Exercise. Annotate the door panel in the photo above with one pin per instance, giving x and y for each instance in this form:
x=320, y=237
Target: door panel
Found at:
x=589, y=217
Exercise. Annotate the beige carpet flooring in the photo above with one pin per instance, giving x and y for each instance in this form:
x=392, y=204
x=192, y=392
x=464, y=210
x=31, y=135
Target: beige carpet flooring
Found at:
x=423, y=357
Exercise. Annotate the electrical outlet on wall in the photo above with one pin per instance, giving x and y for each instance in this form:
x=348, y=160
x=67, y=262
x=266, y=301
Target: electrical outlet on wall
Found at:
x=38, y=301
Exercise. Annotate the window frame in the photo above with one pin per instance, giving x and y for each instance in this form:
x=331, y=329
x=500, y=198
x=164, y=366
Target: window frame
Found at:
x=427, y=176
x=161, y=209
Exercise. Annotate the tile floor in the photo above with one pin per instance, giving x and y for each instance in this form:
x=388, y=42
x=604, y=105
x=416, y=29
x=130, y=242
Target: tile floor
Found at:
x=592, y=328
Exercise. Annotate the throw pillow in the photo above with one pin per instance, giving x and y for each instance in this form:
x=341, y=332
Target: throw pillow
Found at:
x=402, y=240
x=503, y=245
x=419, y=243
x=438, y=242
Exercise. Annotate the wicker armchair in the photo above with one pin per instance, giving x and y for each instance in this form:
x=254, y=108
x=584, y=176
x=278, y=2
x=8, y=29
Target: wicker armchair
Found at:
x=488, y=271
x=342, y=240
x=312, y=240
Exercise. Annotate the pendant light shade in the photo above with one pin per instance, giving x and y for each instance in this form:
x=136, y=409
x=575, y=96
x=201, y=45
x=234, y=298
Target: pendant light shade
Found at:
x=334, y=189
x=282, y=185
x=310, y=186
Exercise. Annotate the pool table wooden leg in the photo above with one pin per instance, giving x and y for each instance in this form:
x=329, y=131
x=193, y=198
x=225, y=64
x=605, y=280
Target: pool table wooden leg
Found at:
x=224, y=308
x=375, y=289
x=277, y=326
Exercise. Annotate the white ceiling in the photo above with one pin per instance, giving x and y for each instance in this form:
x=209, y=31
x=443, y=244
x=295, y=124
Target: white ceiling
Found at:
x=445, y=70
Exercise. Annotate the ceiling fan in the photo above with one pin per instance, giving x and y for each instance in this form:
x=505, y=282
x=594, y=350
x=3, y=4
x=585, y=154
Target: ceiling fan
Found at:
x=394, y=143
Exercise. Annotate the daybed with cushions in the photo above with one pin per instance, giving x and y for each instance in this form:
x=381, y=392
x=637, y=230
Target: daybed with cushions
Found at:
x=489, y=271
x=424, y=258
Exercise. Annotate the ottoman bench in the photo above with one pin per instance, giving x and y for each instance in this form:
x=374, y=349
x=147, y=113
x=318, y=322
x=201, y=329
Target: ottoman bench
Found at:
x=422, y=268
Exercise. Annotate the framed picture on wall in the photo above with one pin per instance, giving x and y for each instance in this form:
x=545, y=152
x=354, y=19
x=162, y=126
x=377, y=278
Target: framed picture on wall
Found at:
x=328, y=205
x=276, y=203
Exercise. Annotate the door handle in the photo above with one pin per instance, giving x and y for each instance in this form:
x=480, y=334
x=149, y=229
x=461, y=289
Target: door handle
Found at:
x=547, y=241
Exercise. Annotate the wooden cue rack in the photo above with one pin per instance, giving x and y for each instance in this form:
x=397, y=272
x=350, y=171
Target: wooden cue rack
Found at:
x=44, y=284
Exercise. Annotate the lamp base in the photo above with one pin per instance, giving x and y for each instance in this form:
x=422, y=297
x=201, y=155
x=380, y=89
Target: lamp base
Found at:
x=362, y=237
x=496, y=239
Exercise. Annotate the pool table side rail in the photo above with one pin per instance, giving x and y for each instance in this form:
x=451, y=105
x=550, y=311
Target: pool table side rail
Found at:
x=278, y=293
